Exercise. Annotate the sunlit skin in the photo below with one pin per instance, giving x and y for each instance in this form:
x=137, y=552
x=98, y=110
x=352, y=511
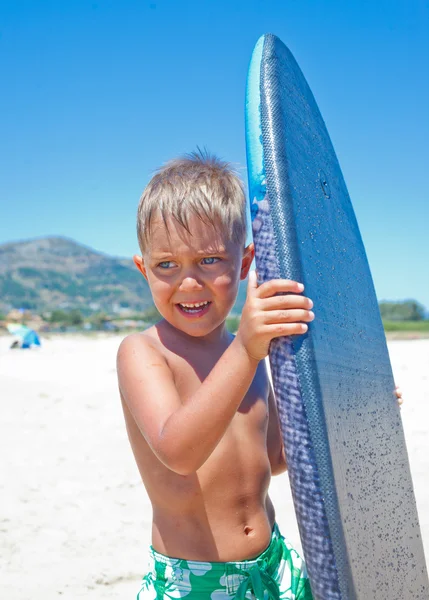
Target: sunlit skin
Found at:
x=185, y=268
x=198, y=405
x=221, y=511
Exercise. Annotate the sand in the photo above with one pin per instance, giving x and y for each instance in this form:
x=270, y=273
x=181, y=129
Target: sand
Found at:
x=74, y=516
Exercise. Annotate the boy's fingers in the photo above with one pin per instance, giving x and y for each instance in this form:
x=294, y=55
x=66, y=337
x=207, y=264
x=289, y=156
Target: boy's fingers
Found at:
x=398, y=394
x=275, y=286
x=285, y=301
x=252, y=284
x=289, y=316
x=282, y=329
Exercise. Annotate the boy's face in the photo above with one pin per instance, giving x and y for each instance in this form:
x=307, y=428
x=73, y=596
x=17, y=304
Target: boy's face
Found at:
x=203, y=268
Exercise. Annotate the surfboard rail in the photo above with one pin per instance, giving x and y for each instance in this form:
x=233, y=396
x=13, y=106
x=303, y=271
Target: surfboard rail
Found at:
x=344, y=442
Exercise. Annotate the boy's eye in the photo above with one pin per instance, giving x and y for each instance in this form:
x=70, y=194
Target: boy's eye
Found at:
x=165, y=264
x=210, y=260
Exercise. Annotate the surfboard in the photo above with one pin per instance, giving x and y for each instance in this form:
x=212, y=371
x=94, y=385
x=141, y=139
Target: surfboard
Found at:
x=340, y=420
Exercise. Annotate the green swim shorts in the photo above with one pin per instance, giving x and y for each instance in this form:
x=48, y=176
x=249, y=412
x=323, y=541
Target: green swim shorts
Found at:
x=277, y=574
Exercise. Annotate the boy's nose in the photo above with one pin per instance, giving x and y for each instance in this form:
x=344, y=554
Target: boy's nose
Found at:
x=190, y=284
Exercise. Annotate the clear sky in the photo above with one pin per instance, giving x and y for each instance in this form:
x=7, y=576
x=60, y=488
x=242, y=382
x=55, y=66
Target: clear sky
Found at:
x=96, y=94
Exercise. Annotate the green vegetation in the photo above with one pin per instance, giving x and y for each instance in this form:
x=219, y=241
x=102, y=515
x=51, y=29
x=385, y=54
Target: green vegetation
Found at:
x=232, y=323
x=151, y=315
x=28, y=272
x=406, y=326
x=71, y=318
x=408, y=310
x=404, y=317
x=99, y=320
x=10, y=286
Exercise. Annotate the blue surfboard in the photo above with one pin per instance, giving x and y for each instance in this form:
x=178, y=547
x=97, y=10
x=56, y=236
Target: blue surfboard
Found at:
x=340, y=420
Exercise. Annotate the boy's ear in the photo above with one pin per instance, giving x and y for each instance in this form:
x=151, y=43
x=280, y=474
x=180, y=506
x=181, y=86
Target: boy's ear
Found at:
x=246, y=261
x=139, y=262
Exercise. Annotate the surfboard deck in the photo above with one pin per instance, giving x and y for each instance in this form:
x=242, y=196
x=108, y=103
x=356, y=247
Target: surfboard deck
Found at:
x=340, y=420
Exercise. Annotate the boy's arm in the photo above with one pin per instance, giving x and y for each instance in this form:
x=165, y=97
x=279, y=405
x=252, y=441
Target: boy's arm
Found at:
x=182, y=435
x=275, y=448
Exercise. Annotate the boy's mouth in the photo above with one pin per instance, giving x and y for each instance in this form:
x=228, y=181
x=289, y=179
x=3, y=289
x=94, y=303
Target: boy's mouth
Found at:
x=194, y=309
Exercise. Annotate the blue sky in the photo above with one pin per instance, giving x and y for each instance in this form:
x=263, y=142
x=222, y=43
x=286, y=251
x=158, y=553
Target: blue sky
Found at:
x=96, y=94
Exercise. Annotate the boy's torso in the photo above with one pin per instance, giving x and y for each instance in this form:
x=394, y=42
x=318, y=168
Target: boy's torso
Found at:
x=222, y=512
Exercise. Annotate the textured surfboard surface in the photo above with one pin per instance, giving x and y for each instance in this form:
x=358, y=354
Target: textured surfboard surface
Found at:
x=340, y=420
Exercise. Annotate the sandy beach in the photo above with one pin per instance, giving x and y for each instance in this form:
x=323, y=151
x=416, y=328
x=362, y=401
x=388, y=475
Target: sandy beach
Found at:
x=74, y=518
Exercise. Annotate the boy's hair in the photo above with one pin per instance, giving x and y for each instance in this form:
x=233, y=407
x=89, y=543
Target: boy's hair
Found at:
x=198, y=184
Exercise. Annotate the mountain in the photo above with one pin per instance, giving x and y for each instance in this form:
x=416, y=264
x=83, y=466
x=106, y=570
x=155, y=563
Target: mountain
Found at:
x=50, y=273
x=56, y=272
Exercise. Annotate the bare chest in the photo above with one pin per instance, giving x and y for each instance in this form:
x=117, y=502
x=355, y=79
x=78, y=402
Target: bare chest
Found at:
x=190, y=373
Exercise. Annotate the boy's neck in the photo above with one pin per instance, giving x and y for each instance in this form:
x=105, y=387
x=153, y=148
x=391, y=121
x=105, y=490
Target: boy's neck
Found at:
x=219, y=335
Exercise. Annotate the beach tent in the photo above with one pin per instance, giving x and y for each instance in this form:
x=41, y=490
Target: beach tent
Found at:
x=26, y=337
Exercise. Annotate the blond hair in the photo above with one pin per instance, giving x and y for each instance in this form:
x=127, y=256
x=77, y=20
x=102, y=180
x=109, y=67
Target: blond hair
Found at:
x=198, y=184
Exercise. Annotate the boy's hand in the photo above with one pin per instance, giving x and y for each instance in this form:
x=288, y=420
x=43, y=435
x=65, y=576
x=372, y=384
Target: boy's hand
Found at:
x=398, y=394
x=266, y=316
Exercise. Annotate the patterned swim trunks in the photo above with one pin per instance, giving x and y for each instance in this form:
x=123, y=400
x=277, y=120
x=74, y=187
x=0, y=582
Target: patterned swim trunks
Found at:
x=277, y=574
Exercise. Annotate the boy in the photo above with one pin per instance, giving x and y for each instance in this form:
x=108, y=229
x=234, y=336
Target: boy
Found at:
x=198, y=405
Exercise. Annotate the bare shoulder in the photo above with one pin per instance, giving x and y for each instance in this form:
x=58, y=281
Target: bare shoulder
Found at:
x=138, y=355
x=142, y=342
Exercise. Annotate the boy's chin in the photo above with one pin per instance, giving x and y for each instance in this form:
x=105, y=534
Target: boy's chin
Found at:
x=198, y=330
x=195, y=328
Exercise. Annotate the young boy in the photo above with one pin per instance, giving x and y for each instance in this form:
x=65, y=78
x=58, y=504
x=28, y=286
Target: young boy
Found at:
x=198, y=405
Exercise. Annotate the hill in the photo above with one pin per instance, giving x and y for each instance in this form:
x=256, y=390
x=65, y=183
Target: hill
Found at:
x=56, y=272
x=59, y=273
